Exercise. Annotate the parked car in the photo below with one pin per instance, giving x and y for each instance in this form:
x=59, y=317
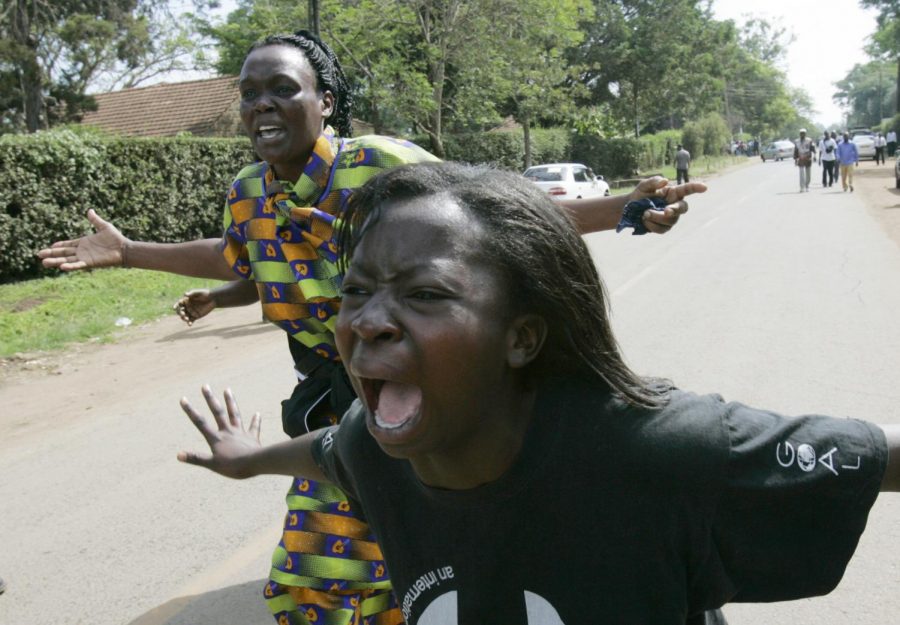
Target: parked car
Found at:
x=865, y=142
x=777, y=151
x=566, y=181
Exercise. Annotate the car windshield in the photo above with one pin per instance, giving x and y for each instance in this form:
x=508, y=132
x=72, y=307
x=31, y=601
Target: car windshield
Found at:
x=545, y=174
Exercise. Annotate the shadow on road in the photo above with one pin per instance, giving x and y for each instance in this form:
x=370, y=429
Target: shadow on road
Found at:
x=235, y=605
x=230, y=332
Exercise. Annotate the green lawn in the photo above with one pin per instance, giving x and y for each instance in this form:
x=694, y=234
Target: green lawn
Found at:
x=703, y=166
x=50, y=313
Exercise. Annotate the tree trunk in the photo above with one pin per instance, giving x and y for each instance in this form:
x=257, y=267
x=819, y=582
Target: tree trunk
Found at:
x=526, y=131
x=32, y=94
x=29, y=72
x=635, y=111
x=437, y=94
x=313, y=16
x=437, y=145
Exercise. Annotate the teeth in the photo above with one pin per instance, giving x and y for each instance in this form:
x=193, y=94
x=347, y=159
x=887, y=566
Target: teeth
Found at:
x=268, y=131
x=385, y=425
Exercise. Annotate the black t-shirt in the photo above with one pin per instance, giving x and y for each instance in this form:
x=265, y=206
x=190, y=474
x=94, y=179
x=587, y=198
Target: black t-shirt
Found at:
x=613, y=514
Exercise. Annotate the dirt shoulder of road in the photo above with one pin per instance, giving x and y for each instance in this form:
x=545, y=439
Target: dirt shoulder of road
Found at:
x=877, y=186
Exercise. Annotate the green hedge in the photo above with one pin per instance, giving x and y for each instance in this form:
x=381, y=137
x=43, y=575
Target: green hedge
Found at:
x=504, y=149
x=612, y=158
x=172, y=189
x=658, y=150
x=162, y=189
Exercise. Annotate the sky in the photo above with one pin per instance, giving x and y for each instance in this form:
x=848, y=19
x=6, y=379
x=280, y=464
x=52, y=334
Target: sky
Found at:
x=830, y=36
x=829, y=39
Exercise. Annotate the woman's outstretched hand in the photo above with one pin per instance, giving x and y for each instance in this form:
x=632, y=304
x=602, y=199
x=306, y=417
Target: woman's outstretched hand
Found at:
x=104, y=248
x=231, y=445
x=661, y=221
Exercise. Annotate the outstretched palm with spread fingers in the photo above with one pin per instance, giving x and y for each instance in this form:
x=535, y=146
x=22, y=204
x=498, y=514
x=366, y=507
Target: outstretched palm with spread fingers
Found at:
x=229, y=442
x=103, y=248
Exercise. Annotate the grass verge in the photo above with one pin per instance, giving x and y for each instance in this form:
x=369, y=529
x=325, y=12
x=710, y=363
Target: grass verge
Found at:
x=50, y=313
x=702, y=166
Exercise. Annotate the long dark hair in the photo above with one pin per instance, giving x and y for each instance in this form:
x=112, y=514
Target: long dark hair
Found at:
x=535, y=243
x=329, y=74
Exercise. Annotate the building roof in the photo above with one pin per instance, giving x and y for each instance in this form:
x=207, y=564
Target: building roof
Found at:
x=196, y=106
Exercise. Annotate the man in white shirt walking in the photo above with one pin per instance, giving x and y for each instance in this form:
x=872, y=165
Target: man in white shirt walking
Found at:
x=891, y=142
x=880, y=142
x=828, y=159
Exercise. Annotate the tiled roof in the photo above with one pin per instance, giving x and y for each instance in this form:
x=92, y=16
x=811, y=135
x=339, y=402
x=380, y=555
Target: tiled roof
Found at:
x=166, y=109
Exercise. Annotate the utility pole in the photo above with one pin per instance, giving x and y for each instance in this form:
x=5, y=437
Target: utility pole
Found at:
x=313, y=11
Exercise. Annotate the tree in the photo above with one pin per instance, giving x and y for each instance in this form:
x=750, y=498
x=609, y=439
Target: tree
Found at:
x=250, y=21
x=375, y=42
x=867, y=92
x=53, y=51
x=886, y=40
x=536, y=77
x=766, y=41
x=635, y=63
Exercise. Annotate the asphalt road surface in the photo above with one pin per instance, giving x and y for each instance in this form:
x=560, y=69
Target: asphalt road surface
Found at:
x=781, y=300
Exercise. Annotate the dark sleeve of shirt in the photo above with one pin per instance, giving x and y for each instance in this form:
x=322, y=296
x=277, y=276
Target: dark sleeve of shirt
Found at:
x=334, y=444
x=796, y=496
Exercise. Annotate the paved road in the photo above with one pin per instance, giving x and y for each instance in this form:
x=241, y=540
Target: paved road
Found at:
x=781, y=300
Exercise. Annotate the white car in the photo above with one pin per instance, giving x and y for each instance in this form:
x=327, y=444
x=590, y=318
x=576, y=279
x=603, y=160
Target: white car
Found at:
x=777, y=151
x=865, y=143
x=567, y=181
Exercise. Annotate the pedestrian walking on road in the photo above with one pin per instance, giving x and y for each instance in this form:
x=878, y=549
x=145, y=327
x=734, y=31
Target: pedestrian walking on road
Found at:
x=848, y=156
x=828, y=159
x=682, y=164
x=804, y=151
x=891, y=142
x=880, y=143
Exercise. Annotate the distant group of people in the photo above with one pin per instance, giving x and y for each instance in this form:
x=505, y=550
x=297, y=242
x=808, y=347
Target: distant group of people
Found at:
x=836, y=155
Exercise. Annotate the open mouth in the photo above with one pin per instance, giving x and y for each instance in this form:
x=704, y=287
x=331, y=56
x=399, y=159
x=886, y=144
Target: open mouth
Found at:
x=392, y=404
x=268, y=132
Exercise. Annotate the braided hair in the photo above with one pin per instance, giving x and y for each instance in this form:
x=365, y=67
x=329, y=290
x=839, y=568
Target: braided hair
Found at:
x=329, y=74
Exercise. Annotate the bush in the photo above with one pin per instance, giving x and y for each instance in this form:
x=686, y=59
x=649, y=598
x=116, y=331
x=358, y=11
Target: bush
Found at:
x=658, y=150
x=716, y=135
x=617, y=157
x=692, y=139
x=162, y=189
x=891, y=123
x=612, y=158
x=504, y=149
